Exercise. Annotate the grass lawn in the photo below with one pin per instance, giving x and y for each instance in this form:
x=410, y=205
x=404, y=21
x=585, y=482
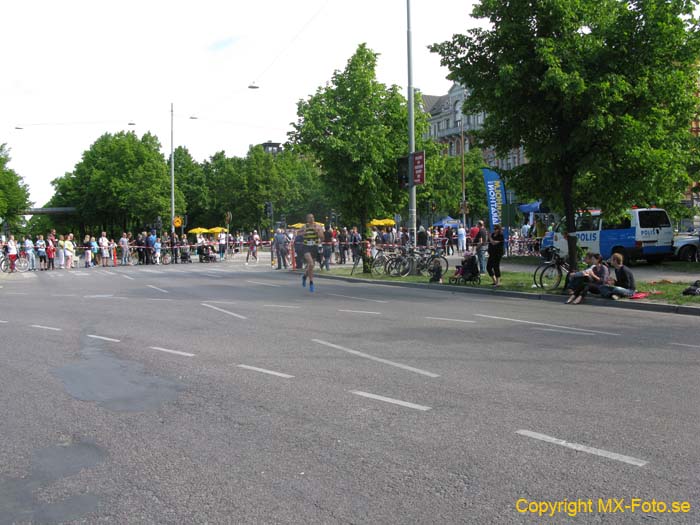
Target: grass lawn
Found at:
x=522, y=282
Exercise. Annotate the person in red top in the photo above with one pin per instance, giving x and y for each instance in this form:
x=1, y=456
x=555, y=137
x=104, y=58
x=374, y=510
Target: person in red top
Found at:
x=50, y=255
x=473, y=232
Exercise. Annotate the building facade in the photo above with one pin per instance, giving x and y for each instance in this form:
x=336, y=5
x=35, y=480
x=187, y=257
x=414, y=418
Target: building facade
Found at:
x=448, y=125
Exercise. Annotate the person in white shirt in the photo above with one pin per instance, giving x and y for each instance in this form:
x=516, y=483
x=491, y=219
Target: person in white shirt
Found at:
x=103, y=243
x=222, y=245
x=461, y=239
x=124, y=245
x=12, y=252
x=29, y=250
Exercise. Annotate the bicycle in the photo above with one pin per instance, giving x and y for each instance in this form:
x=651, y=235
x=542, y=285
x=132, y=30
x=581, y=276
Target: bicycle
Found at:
x=548, y=275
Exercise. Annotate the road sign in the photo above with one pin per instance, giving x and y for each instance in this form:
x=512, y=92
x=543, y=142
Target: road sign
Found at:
x=418, y=168
x=177, y=222
x=229, y=217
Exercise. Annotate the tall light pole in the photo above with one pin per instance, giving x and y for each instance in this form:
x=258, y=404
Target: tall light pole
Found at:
x=411, y=131
x=172, y=171
x=464, y=193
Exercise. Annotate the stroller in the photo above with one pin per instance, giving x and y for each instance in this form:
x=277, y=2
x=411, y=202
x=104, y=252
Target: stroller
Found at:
x=467, y=272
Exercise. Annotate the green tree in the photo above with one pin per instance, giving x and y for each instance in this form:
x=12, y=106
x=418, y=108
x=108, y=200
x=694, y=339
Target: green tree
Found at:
x=190, y=181
x=356, y=128
x=14, y=194
x=122, y=182
x=599, y=92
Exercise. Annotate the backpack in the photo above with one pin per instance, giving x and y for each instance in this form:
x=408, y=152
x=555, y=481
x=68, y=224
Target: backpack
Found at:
x=693, y=290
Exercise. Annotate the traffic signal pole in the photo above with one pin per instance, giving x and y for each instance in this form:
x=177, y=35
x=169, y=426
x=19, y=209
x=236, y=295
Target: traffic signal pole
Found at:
x=411, y=131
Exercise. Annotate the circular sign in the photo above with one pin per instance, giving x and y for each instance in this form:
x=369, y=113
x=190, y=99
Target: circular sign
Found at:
x=177, y=222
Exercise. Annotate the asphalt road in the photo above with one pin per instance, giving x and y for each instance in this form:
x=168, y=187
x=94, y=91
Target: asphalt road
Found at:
x=226, y=393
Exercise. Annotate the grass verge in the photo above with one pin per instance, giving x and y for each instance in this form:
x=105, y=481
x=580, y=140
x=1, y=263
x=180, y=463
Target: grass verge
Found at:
x=661, y=292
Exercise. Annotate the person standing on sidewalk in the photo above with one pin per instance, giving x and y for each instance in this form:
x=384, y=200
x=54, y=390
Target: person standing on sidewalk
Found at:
x=482, y=245
x=29, y=251
x=281, y=243
x=12, y=252
x=327, y=248
x=496, y=250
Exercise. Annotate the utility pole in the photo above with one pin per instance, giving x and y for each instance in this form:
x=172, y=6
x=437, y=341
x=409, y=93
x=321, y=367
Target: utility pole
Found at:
x=172, y=171
x=464, y=193
x=411, y=131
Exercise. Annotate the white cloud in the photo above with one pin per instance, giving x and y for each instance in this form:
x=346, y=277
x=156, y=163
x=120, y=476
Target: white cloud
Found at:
x=73, y=70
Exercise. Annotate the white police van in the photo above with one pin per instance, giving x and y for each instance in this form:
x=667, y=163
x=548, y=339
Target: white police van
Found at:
x=644, y=233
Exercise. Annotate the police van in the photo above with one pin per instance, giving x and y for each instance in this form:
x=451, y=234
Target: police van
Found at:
x=643, y=233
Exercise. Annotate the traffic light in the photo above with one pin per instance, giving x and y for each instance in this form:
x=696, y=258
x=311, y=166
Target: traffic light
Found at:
x=402, y=166
x=433, y=206
x=268, y=209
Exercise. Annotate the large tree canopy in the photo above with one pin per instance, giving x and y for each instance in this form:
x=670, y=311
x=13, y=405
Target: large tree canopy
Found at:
x=14, y=194
x=356, y=127
x=121, y=182
x=600, y=93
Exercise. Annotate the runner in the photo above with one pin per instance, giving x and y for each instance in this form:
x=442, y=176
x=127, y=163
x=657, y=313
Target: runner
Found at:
x=312, y=237
x=253, y=240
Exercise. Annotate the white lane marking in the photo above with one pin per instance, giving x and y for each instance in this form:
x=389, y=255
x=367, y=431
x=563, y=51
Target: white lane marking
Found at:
x=151, y=299
x=265, y=371
x=176, y=352
x=107, y=272
x=684, y=345
x=128, y=277
x=151, y=271
x=280, y=306
x=583, y=448
x=46, y=327
x=16, y=293
x=451, y=320
x=63, y=295
x=545, y=324
x=390, y=400
x=358, y=298
x=27, y=275
x=222, y=302
x=103, y=338
x=264, y=284
x=224, y=311
x=3, y=322
x=217, y=270
x=360, y=312
x=567, y=332
x=378, y=359
x=156, y=288
x=77, y=273
x=98, y=296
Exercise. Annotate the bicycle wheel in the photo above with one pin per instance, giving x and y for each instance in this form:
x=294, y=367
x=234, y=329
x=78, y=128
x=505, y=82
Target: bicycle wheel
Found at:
x=443, y=263
x=134, y=258
x=538, y=273
x=166, y=258
x=4, y=265
x=404, y=266
x=378, y=265
x=550, y=278
x=22, y=264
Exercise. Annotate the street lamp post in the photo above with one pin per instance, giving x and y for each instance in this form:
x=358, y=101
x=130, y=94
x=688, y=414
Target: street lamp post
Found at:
x=172, y=172
x=411, y=131
x=464, y=194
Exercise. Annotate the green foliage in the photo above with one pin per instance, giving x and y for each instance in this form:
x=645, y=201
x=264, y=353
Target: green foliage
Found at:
x=14, y=194
x=600, y=93
x=122, y=182
x=356, y=127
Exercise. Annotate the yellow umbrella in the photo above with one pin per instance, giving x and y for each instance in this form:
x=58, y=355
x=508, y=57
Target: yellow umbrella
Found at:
x=300, y=225
x=198, y=230
x=218, y=229
x=382, y=222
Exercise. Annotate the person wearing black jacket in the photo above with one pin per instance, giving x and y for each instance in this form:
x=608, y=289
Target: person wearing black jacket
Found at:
x=495, y=249
x=624, y=280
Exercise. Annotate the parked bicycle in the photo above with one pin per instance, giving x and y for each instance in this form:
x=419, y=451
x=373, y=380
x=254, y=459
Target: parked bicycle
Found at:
x=548, y=275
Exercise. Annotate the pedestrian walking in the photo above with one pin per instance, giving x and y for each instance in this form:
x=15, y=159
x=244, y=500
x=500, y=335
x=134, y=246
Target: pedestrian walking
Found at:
x=482, y=245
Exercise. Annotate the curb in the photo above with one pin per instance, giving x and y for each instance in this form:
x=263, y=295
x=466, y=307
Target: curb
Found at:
x=643, y=306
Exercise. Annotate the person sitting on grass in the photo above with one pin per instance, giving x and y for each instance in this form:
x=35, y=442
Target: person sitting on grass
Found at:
x=590, y=279
x=624, y=285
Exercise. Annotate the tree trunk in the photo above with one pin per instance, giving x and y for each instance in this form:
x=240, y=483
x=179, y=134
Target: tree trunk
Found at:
x=570, y=214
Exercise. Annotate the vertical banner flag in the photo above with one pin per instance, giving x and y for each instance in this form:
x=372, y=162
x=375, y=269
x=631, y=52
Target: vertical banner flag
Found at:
x=496, y=200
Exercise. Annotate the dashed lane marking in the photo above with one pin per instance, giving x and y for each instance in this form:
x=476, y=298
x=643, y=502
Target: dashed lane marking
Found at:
x=450, y=320
x=156, y=288
x=279, y=306
x=358, y=298
x=103, y=338
x=567, y=332
x=167, y=350
x=16, y=293
x=360, y=312
x=377, y=359
x=583, y=448
x=264, y=284
x=42, y=327
x=128, y=277
x=390, y=400
x=684, y=345
x=98, y=296
x=265, y=371
x=545, y=324
x=224, y=311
